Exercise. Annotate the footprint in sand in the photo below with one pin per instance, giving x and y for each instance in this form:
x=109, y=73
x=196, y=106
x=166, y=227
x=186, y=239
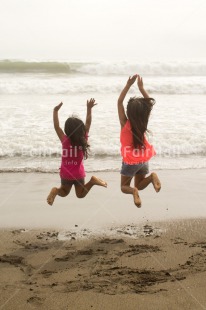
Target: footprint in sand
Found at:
x=35, y=300
x=112, y=241
x=12, y=259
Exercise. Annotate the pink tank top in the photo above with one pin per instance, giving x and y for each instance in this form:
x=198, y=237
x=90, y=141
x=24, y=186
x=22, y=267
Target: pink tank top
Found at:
x=72, y=167
x=130, y=155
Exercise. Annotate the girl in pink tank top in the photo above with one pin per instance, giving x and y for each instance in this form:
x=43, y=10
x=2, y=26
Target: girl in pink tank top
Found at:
x=74, y=150
x=135, y=149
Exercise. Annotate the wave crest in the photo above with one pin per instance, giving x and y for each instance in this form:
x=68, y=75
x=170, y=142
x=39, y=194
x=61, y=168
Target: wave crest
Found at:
x=8, y=66
x=105, y=68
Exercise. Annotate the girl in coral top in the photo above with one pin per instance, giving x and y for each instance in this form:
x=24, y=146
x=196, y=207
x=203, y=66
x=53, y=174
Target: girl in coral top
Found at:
x=74, y=150
x=135, y=149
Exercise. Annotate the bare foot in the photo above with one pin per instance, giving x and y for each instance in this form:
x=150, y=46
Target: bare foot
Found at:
x=52, y=195
x=156, y=182
x=96, y=181
x=137, y=200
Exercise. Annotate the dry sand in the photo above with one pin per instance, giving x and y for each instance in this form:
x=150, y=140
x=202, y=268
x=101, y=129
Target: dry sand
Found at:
x=152, y=271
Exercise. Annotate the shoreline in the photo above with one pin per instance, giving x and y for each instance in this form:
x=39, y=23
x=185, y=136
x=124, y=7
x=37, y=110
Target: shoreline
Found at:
x=115, y=170
x=93, y=164
x=129, y=231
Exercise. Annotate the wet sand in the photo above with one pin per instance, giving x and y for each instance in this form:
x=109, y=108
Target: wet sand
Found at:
x=101, y=252
x=23, y=201
x=159, y=269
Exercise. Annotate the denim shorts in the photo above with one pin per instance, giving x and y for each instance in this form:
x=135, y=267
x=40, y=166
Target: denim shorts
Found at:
x=131, y=170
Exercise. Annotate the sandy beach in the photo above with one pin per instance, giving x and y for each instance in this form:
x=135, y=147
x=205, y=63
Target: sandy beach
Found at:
x=102, y=252
x=24, y=205
x=102, y=62
x=164, y=271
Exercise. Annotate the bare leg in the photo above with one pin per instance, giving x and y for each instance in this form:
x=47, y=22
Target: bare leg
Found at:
x=141, y=182
x=63, y=191
x=127, y=189
x=83, y=189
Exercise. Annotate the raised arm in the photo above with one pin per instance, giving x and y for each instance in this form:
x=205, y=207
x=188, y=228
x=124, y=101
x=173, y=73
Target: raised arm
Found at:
x=90, y=104
x=141, y=87
x=58, y=130
x=121, y=111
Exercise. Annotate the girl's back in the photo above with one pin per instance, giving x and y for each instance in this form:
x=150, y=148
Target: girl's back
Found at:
x=130, y=154
x=72, y=160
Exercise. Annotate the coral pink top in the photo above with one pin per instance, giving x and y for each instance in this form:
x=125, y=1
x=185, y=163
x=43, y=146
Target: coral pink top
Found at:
x=130, y=155
x=72, y=167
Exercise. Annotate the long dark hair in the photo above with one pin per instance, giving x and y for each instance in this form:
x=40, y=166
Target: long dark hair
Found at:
x=75, y=130
x=138, y=112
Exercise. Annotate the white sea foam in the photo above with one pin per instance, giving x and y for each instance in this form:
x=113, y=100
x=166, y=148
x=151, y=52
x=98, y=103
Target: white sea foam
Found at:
x=99, y=85
x=145, y=69
x=28, y=141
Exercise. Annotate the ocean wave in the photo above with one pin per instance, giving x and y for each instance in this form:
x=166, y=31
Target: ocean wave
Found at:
x=158, y=163
x=62, y=78
x=29, y=154
x=63, y=86
x=105, y=68
x=9, y=66
x=146, y=69
x=28, y=169
x=102, y=153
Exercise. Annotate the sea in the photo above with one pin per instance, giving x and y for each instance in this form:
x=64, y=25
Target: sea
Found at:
x=30, y=89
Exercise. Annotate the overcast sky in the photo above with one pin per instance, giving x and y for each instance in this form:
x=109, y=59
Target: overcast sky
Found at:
x=103, y=29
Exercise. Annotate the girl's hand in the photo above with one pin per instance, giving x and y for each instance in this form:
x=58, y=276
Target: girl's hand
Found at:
x=58, y=107
x=91, y=103
x=131, y=80
x=141, y=87
x=140, y=82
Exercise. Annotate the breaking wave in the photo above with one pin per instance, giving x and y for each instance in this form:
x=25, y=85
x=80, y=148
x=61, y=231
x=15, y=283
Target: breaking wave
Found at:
x=105, y=68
